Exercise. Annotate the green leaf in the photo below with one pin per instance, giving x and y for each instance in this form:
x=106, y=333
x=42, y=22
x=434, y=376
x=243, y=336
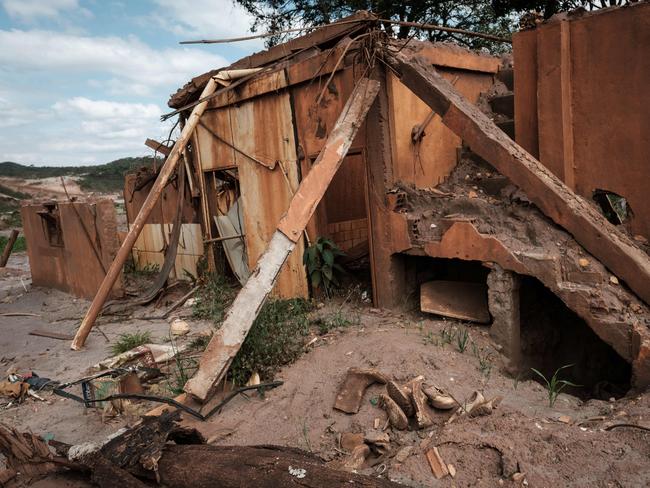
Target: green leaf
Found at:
x=338, y=267
x=328, y=257
x=316, y=279
x=327, y=272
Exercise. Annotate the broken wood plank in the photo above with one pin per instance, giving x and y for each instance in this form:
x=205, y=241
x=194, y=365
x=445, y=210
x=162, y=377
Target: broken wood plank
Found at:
x=455, y=299
x=589, y=227
x=438, y=466
x=228, y=339
x=51, y=335
x=9, y=247
x=124, y=252
x=158, y=147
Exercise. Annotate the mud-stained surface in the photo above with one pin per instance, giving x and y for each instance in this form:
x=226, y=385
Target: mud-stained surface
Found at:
x=560, y=446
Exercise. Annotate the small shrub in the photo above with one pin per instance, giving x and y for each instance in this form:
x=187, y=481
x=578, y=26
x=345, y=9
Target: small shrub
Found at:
x=320, y=259
x=213, y=298
x=126, y=342
x=276, y=338
x=447, y=335
x=555, y=386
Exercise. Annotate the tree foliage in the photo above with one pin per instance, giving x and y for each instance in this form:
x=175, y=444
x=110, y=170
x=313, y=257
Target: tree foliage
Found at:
x=498, y=17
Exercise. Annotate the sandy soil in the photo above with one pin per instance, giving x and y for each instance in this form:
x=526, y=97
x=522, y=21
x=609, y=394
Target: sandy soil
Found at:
x=44, y=188
x=561, y=446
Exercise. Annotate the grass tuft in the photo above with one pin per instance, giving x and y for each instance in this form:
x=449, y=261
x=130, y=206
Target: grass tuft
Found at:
x=126, y=342
x=336, y=320
x=213, y=298
x=554, y=386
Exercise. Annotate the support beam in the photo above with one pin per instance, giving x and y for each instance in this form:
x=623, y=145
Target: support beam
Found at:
x=589, y=227
x=9, y=247
x=226, y=342
x=165, y=174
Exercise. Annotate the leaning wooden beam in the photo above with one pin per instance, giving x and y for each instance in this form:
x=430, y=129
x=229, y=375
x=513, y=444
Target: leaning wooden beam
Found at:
x=589, y=227
x=123, y=253
x=8, y=247
x=228, y=339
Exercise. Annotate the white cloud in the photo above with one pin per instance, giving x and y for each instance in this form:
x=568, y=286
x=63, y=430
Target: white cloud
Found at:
x=125, y=60
x=32, y=10
x=207, y=19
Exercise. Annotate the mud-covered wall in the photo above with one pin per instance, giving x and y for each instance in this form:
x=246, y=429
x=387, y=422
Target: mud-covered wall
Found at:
x=582, y=102
x=60, y=253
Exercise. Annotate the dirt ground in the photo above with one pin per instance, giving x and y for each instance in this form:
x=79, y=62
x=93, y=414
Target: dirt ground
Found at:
x=561, y=446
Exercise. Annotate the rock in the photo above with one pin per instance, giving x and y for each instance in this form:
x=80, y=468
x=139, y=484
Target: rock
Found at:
x=583, y=262
x=565, y=419
x=472, y=194
x=613, y=280
x=452, y=470
x=179, y=327
x=403, y=454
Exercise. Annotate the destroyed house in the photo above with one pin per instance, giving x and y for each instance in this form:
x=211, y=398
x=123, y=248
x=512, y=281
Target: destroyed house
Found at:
x=488, y=190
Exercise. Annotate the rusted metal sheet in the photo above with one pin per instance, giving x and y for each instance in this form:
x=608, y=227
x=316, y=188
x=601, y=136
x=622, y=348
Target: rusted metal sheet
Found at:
x=58, y=247
x=598, y=90
x=214, y=153
x=429, y=161
x=264, y=126
x=525, y=59
x=444, y=55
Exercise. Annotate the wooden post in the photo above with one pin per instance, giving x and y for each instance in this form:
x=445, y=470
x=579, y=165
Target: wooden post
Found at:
x=123, y=253
x=8, y=248
x=226, y=342
x=558, y=202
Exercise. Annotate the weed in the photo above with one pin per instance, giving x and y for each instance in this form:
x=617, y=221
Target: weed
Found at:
x=126, y=342
x=275, y=339
x=462, y=339
x=147, y=270
x=213, y=298
x=336, y=320
x=320, y=260
x=515, y=380
x=555, y=386
x=184, y=369
x=19, y=245
x=429, y=338
x=305, y=435
x=484, y=360
x=447, y=335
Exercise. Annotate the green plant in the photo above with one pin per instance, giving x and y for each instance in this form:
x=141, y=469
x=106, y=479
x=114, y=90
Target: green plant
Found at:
x=429, y=338
x=126, y=342
x=336, y=320
x=555, y=386
x=447, y=335
x=484, y=363
x=276, y=338
x=184, y=368
x=320, y=259
x=200, y=343
x=462, y=339
x=213, y=298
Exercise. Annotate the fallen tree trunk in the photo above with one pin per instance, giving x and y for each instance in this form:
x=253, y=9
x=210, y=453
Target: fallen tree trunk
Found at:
x=144, y=455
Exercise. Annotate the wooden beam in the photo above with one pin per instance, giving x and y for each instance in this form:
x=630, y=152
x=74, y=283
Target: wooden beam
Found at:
x=226, y=342
x=165, y=174
x=158, y=146
x=589, y=227
x=9, y=247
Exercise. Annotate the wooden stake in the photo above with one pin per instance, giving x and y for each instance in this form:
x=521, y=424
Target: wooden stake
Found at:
x=8, y=248
x=226, y=342
x=123, y=253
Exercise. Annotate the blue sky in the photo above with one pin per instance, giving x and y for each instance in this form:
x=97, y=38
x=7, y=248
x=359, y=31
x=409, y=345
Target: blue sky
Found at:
x=85, y=81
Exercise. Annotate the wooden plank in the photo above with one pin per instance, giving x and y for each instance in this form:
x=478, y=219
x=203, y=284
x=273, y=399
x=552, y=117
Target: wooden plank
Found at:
x=226, y=342
x=455, y=299
x=589, y=227
x=438, y=466
x=9, y=247
x=161, y=181
x=524, y=51
x=158, y=146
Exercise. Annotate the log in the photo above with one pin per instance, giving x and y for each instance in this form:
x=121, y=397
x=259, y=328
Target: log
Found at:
x=8, y=248
x=226, y=342
x=165, y=174
x=572, y=212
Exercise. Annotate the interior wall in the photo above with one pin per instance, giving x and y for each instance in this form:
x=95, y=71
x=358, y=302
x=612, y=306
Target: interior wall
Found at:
x=591, y=102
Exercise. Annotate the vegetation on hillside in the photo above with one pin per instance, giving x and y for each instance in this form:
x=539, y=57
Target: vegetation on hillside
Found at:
x=101, y=178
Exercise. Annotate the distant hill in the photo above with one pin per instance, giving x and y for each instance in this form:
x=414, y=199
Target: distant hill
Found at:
x=107, y=177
